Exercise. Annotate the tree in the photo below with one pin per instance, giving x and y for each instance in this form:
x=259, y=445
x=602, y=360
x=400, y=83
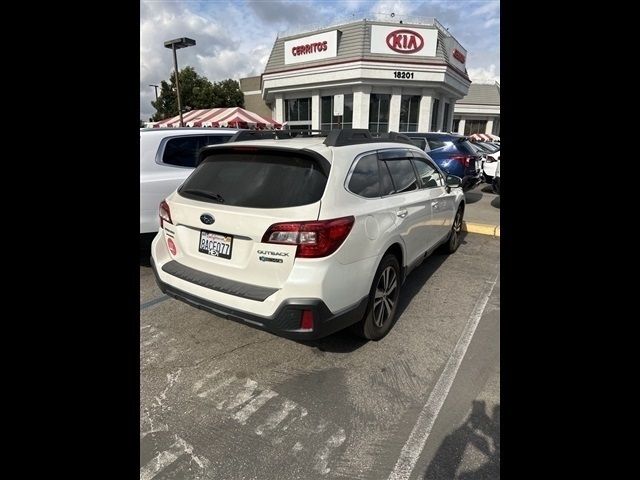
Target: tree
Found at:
x=196, y=92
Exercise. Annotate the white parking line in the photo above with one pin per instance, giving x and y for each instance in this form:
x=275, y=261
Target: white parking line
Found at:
x=421, y=430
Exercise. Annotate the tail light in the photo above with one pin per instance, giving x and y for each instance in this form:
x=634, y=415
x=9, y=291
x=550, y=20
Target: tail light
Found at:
x=314, y=239
x=463, y=159
x=165, y=214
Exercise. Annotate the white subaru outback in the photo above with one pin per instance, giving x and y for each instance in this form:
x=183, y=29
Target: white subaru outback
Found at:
x=305, y=236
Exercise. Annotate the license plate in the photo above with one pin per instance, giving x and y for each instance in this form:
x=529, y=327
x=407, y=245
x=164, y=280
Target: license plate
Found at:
x=216, y=244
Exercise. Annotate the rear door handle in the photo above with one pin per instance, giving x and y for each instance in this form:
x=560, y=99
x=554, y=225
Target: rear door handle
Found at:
x=402, y=213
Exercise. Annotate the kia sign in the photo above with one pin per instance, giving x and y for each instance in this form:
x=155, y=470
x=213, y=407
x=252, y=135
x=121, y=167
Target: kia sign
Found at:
x=313, y=47
x=398, y=40
x=405, y=41
x=457, y=53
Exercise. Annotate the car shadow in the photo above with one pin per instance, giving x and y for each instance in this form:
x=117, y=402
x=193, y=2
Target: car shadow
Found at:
x=345, y=341
x=472, y=197
x=496, y=202
x=145, y=249
x=480, y=431
x=487, y=189
x=419, y=277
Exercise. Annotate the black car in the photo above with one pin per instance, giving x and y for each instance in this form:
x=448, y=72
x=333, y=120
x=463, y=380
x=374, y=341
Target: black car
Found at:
x=453, y=153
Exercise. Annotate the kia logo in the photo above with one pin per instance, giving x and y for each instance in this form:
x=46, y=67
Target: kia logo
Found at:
x=405, y=41
x=207, y=219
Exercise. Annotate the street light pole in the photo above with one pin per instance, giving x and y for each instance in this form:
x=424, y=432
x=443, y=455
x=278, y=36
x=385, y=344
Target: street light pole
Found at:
x=174, y=45
x=156, y=87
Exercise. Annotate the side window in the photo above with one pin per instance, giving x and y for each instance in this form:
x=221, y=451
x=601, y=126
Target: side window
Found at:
x=183, y=151
x=386, y=184
x=433, y=143
x=419, y=142
x=403, y=175
x=217, y=139
x=364, y=179
x=428, y=174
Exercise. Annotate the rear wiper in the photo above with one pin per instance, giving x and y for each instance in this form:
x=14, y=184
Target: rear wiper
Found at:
x=213, y=196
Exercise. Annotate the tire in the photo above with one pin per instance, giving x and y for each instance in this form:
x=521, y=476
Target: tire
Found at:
x=456, y=229
x=383, y=301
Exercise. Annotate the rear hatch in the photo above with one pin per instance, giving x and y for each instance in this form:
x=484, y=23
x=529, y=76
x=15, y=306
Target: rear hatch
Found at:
x=222, y=211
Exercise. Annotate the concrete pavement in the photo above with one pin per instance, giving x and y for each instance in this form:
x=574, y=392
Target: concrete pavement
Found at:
x=482, y=213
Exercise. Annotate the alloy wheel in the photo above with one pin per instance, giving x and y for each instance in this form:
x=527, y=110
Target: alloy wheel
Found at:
x=385, y=297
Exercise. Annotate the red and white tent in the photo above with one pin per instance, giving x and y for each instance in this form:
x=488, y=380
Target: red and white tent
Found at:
x=484, y=137
x=234, y=117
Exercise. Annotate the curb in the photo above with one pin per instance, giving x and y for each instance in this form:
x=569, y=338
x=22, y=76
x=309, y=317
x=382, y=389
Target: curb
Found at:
x=481, y=228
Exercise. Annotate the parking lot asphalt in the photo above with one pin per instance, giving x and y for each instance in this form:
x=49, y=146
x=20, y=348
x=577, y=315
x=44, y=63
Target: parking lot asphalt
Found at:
x=222, y=400
x=482, y=210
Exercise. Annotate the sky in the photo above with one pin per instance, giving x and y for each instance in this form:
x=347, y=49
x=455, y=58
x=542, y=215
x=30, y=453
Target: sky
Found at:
x=234, y=37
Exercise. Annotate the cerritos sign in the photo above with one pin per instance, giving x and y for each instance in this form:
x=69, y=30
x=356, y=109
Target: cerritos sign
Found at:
x=406, y=41
x=313, y=47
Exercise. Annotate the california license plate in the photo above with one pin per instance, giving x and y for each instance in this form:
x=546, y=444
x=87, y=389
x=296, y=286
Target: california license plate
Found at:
x=216, y=244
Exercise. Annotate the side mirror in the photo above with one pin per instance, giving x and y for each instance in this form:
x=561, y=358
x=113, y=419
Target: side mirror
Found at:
x=453, y=181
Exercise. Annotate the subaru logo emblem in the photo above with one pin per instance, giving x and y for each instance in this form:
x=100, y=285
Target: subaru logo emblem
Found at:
x=207, y=219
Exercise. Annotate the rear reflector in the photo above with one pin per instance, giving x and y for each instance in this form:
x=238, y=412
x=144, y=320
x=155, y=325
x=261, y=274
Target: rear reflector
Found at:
x=306, y=322
x=172, y=246
x=314, y=239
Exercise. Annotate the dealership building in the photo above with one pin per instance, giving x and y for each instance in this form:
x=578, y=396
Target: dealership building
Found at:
x=479, y=110
x=383, y=76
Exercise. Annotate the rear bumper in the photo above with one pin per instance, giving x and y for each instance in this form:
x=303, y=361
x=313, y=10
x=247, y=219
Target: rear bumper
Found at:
x=285, y=322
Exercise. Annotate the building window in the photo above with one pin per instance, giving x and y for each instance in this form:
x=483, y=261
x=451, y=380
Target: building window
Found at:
x=297, y=112
x=379, y=113
x=409, y=108
x=435, y=108
x=475, y=126
x=328, y=121
x=456, y=125
x=445, y=119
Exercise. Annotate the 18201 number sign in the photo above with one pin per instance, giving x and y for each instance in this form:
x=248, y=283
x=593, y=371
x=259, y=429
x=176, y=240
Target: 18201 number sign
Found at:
x=407, y=75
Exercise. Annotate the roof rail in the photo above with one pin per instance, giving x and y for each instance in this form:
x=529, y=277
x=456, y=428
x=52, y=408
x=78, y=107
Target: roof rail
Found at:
x=272, y=134
x=355, y=136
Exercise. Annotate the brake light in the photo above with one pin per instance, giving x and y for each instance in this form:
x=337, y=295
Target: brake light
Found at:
x=165, y=214
x=314, y=239
x=463, y=159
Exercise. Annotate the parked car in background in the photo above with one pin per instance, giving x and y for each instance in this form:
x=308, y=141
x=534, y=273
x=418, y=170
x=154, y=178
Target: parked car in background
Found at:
x=490, y=156
x=453, y=153
x=167, y=158
x=488, y=146
x=306, y=236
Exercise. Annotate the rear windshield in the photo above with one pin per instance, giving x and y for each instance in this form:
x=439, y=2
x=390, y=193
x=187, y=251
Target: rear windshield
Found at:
x=465, y=147
x=436, y=143
x=256, y=180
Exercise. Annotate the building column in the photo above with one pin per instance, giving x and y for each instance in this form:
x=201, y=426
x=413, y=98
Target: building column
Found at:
x=361, y=106
x=461, y=126
x=424, y=115
x=315, y=110
x=489, y=128
x=440, y=124
x=394, y=109
x=452, y=107
x=278, y=111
